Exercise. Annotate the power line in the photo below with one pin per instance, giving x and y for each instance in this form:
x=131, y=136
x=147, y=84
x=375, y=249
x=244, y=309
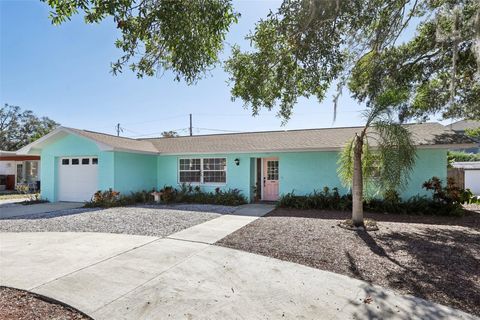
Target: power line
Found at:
x=158, y=120
x=119, y=129
x=220, y=130
x=158, y=132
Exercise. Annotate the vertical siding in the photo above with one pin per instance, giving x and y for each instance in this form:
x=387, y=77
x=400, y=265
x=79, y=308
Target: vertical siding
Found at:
x=134, y=172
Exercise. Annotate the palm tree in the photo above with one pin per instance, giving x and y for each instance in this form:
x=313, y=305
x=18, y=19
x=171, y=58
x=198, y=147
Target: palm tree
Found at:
x=384, y=165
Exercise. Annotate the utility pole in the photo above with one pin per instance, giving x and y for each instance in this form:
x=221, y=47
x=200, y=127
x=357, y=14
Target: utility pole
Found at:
x=191, y=125
x=119, y=129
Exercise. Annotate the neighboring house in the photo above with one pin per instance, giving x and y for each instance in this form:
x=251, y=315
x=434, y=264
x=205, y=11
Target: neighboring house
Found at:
x=76, y=163
x=459, y=127
x=19, y=169
x=470, y=175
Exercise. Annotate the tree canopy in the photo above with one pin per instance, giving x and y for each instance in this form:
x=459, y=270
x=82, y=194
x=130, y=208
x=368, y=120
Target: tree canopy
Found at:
x=184, y=36
x=169, y=134
x=19, y=128
x=307, y=46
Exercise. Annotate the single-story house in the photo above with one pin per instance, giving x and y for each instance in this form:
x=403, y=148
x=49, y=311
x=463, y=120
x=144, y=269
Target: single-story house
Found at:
x=19, y=169
x=76, y=163
x=470, y=175
x=460, y=127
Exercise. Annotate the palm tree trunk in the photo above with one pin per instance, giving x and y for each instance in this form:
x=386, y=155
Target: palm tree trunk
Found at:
x=357, y=185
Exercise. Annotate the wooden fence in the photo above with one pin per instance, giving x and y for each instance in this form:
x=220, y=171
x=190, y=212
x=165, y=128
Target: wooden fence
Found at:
x=458, y=175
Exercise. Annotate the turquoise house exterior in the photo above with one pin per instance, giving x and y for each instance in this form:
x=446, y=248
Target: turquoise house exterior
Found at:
x=75, y=163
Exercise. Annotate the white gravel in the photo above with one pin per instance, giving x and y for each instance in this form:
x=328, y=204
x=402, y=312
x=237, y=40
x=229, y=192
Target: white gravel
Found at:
x=149, y=220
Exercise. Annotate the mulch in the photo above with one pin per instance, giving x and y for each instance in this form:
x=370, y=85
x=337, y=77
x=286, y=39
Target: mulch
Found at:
x=23, y=305
x=435, y=258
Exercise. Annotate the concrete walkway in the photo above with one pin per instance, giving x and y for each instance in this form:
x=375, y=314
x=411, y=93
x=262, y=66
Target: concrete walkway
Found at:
x=216, y=229
x=18, y=210
x=113, y=276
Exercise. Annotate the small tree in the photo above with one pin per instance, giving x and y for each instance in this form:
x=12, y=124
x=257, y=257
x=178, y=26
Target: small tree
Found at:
x=384, y=164
x=18, y=128
x=169, y=134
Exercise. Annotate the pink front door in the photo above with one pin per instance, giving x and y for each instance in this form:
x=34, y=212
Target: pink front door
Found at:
x=270, y=179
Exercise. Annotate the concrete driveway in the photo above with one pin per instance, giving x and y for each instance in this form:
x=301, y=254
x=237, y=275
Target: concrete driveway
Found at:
x=183, y=276
x=9, y=209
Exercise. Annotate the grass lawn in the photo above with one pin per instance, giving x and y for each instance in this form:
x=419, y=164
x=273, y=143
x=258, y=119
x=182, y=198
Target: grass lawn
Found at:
x=435, y=258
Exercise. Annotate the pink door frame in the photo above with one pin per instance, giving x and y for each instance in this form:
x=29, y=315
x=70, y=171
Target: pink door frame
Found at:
x=270, y=187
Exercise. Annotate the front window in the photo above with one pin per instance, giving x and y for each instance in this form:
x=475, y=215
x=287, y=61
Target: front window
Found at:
x=32, y=173
x=203, y=170
x=20, y=177
x=214, y=170
x=190, y=170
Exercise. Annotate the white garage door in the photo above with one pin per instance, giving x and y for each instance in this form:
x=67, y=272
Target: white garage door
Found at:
x=77, y=178
x=472, y=181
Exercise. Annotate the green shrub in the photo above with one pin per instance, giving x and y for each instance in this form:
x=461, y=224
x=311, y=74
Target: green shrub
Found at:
x=111, y=198
x=186, y=194
x=446, y=200
x=460, y=156
x=316, y=200
x=168, y=194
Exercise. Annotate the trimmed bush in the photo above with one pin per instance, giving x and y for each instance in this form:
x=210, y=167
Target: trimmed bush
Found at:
x=446, y=200
x=186, y=194
x=112, y=198
x=189, y=194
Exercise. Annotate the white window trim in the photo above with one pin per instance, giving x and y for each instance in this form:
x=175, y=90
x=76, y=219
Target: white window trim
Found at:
x=220, y=184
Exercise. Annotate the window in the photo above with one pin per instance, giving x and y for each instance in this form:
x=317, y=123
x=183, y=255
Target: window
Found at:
x=85, y=161
x=272, y=170
x=75, y=161
x=208, y=170
x=214, y=170
x=31, y=171
x=65, y=162
x=20, y=174
x=94, y=160
x=190, y=170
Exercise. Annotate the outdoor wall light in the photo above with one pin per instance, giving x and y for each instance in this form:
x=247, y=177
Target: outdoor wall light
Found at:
x=237, y=161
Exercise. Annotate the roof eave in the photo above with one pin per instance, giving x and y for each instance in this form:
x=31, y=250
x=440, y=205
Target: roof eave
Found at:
x=329, y=149
x=134, y=151
x=36, y=146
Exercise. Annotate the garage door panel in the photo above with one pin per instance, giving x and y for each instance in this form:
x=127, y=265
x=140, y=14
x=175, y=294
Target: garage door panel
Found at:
x=472, y=181
x=77, y=182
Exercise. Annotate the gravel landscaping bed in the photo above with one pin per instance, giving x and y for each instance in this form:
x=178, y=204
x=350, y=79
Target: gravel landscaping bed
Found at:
x=435, y=258
x=153, y=220
x=18, y=304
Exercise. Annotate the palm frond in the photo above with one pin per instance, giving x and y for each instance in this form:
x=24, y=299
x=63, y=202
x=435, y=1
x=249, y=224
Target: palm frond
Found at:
x=396, y=154
x=345, y=164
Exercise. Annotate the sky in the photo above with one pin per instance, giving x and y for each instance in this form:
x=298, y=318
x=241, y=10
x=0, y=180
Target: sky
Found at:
x=63, y=72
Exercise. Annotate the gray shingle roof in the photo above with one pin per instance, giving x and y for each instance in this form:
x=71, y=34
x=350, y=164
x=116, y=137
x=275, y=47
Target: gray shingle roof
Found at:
x=427, y=134
x=117, y=142
x=463, y=124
